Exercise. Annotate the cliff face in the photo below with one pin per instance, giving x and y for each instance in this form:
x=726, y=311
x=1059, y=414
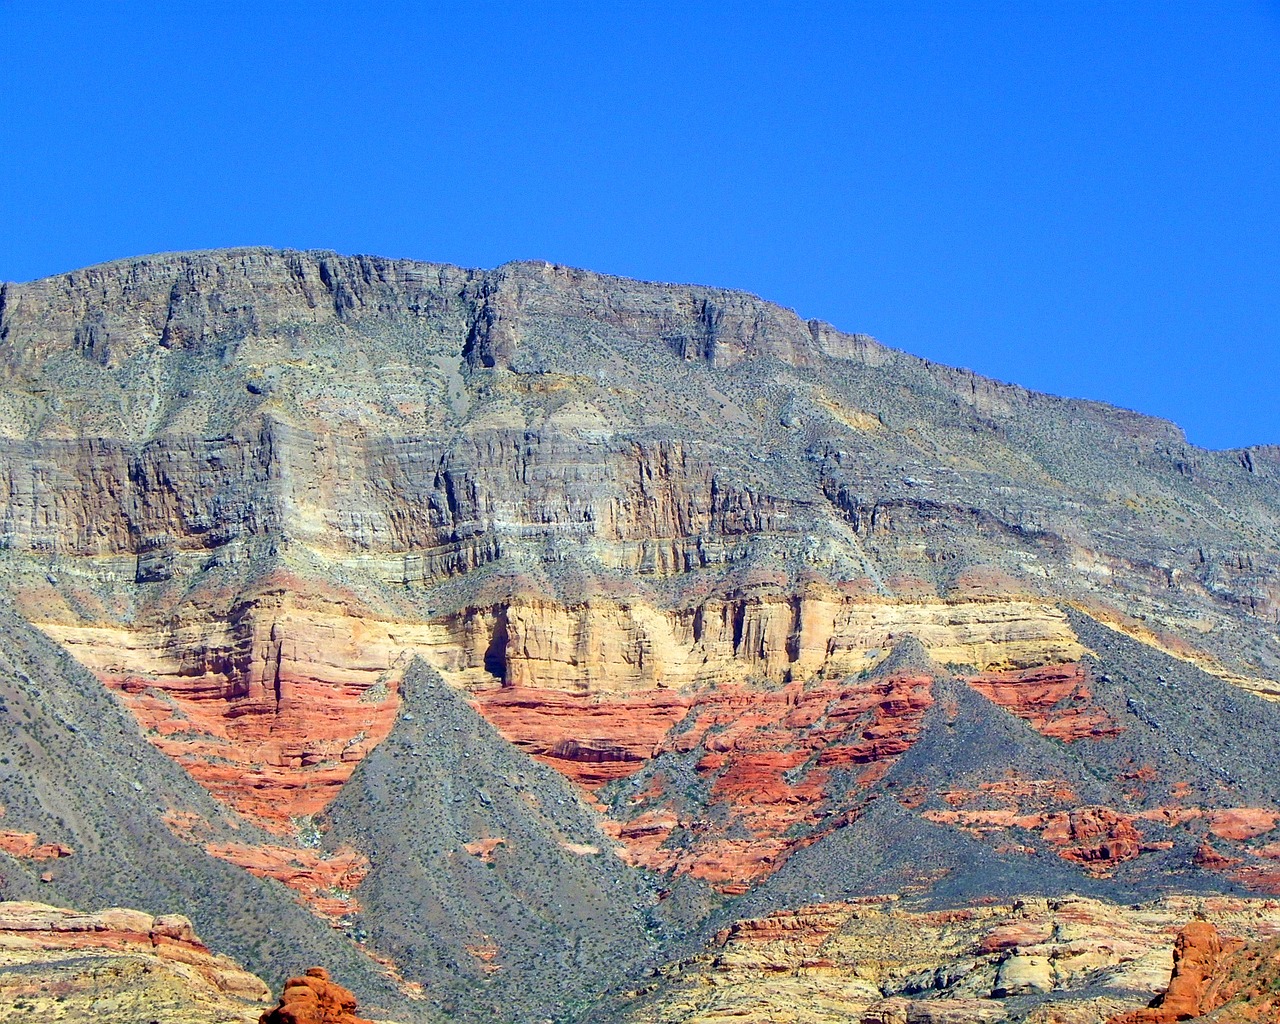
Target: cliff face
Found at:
x=737, y=576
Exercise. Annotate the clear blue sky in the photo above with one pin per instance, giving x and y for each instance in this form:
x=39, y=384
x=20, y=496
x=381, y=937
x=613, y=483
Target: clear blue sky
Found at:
x=1080, y=197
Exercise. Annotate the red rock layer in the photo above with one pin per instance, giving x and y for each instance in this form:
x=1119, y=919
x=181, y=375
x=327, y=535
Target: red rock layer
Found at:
x=273, y=753
x=111, y=929
x=591, y=738
x=1096, y=837
x=322, y=883
x=314, y=999
x=1054, y=699
x=1012, y=802
x=768, y=758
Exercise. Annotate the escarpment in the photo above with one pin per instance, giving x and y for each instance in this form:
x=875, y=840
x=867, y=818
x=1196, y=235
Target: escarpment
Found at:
x=754, y=587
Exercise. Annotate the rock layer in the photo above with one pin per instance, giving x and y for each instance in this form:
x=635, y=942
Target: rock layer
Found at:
x=59, y=964
x=877, y=961
x=768, y=761
x=756, y=586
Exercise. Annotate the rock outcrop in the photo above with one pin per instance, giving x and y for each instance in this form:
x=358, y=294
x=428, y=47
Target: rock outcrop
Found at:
x=1217, y=979
x=325, y=883
x=1197, y=957
x=878, y=962
x=313, y=999
x=59, y=964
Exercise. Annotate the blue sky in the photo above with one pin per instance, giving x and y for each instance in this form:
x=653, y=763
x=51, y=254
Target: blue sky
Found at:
x=1080, y=197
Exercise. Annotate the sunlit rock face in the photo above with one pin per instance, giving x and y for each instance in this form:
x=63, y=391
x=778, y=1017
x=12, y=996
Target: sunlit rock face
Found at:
x=1068, y=959
x=313, y=998
x=61, y=964
x=755, y=587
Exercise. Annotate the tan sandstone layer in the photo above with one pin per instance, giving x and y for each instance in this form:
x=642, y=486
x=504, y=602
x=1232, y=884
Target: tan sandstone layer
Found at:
x=63, y=965
x=878, y=962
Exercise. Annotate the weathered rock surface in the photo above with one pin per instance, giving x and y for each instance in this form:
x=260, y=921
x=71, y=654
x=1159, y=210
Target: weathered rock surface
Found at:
x=1217, y=978
x=59, y=964
x=782, y=766
x=875, y=960
x=312, y=998
x=763, y=592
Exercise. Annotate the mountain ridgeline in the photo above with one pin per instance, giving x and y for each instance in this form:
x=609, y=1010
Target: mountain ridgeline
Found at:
x=504, y=638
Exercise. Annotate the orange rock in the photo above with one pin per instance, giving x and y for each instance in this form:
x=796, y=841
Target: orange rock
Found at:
x=1241, y=822
x=1193, y=989
x=314, y=999
x=1095, y=836
x=27, y=846
x=323, y=883
x=483, y=848
x=487, y=953
x=1207, y=857
x=1055, y=700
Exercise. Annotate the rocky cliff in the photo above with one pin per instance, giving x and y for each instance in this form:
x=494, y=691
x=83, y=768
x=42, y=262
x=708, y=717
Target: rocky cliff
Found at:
x=755, y=589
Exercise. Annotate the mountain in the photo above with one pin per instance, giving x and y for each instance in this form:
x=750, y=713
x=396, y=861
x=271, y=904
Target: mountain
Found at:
x=496, y=637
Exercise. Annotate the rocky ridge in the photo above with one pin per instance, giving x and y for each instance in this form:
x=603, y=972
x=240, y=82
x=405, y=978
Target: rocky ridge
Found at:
x=756, y=590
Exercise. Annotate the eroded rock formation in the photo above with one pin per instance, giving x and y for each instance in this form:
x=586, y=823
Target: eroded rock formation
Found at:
x=768, y=760
x=1217, y=978
x=874, y=960
x=313, y=999
x=750, y=583
x=60, y=964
